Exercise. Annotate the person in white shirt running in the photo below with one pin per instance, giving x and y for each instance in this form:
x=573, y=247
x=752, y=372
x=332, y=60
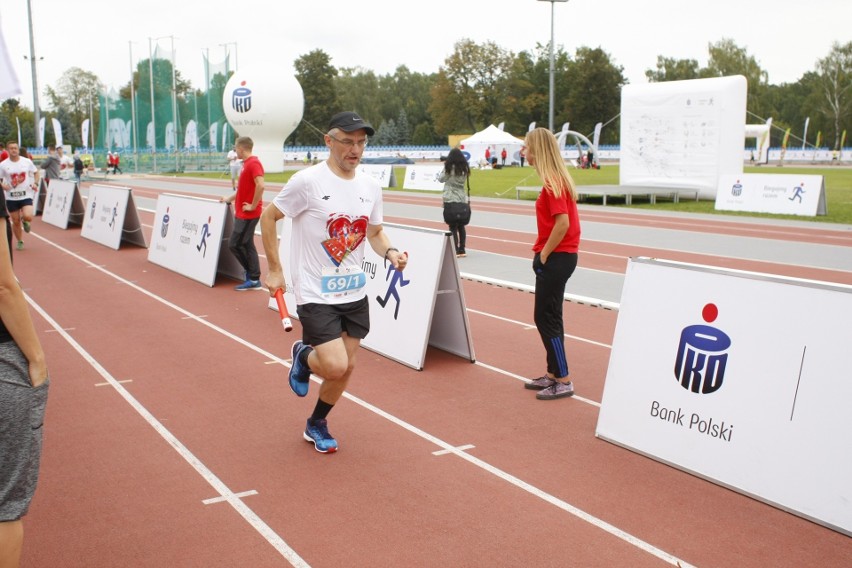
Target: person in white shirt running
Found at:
x=19, y=179
x=335, y=209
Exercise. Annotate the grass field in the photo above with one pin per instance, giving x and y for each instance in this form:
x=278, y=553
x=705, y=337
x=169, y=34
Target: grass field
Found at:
x=501, y=183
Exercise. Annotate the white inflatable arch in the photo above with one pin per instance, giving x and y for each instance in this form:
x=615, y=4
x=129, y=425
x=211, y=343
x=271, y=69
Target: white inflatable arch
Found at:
x=761, y=133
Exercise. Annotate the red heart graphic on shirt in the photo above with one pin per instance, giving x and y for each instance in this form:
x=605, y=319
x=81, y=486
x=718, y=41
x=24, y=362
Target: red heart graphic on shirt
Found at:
x=345, y=235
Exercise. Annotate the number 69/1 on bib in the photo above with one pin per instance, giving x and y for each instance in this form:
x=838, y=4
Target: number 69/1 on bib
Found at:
x=342, y=282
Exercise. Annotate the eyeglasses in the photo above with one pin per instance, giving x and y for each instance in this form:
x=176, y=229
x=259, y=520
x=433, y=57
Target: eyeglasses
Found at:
x=349, y=143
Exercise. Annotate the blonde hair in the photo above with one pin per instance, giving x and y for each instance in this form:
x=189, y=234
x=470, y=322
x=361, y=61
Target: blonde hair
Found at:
x=548, y=162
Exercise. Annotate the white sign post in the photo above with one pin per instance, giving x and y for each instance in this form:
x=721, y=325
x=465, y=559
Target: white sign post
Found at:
x=409, y=310
x=111, y=217
x=188, y=236
x=63, y=204
x=772, y=193
x=740, y=378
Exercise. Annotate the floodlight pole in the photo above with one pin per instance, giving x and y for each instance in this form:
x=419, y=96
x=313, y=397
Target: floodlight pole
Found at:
x=236, y=56
x=153, y=120
x=36, y=111
x=550, y=108
x=133, y=130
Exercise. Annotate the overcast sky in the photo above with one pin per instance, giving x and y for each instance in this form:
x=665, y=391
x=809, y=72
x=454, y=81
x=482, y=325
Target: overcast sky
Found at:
x=786, y=37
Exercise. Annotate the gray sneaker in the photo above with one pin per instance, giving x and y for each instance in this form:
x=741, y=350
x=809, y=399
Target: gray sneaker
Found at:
x=539, y=383
x=556, y=390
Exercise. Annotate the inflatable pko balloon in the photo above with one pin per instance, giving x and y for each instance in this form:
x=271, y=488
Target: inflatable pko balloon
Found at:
x=267, y=107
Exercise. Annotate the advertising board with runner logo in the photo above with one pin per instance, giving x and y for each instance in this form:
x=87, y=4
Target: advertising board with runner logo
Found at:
x=188, y=235
x=63, y=204
x=111, y=217
x=423, y=177
x=382, y=173
x=738, y=377
x=787, y=194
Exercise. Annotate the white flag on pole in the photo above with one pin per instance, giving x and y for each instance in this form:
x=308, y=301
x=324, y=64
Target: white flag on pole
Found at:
x=57, y=131
x=85, y=131
x=41, y=131
x=9, y=86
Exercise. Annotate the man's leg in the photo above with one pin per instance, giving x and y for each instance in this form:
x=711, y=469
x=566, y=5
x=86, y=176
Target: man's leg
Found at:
x=235, y=242
x=17, y=227
x=28, y=211
x=250, y=250
x=334, y=362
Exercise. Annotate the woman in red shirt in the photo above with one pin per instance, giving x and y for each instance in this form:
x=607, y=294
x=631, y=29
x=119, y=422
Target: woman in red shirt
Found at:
x=555, y=258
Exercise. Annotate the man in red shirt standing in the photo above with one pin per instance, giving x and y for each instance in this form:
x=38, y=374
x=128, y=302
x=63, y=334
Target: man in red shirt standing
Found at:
x=248, y=205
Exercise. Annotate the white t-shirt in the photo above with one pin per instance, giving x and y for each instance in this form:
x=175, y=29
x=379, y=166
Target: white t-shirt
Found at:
x=234, y=161
x=330, y=218
x=20, y=176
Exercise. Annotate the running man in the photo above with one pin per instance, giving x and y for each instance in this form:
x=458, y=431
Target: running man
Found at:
x=335, y=209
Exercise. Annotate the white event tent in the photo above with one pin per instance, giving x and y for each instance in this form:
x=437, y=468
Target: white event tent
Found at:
x=495, y=140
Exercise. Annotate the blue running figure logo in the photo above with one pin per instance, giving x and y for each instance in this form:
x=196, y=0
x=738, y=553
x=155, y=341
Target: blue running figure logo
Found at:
x=114, y=215
x=205, y=232
x=797, y=193
x=396, y=280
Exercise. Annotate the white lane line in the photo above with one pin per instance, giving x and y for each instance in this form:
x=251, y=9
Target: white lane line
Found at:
x=574, y=298
x=529, y=326
x=249, y=515
x=264, y=529
x=457, y=448
x=107, y=384
x=214, y=500
x=521, y=484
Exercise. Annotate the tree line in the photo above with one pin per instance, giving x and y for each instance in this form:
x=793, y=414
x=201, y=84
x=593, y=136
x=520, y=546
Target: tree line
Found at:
x=477, y=85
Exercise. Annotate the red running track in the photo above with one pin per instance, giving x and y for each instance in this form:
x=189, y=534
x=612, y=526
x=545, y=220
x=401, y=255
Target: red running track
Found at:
x=172, y=439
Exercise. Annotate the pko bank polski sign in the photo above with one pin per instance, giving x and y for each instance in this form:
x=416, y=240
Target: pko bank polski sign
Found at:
x=788, y=194
x=740, y=378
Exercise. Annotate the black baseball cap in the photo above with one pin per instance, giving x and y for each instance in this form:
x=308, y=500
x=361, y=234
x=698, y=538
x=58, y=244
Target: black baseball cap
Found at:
x=350, y=121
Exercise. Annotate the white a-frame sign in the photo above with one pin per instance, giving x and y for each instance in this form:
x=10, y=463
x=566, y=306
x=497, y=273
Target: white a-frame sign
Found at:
x=410, y=310
x=188, y=238
x=63, y=204
x=111, y=217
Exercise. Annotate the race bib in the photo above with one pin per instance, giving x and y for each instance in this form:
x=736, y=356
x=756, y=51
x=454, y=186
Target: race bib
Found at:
x=339, y=282
x=16, y=193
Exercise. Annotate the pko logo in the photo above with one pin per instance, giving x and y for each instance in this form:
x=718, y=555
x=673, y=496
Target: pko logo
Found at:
x=241, y=98
x=164, y=226
x=702, y=355
x=737, y=189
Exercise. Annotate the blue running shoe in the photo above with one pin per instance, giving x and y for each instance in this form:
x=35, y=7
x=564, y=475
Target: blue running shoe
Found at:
x=317, y=432
x=249, y=285
x=300, y=373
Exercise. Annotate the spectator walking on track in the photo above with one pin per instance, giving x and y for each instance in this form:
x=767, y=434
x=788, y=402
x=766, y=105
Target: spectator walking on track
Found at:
x=334, y=208
x=248, y=205
x=78, y=168
x=51, y=165
x=455, y=176
x=555, y=258
x=235, y=164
